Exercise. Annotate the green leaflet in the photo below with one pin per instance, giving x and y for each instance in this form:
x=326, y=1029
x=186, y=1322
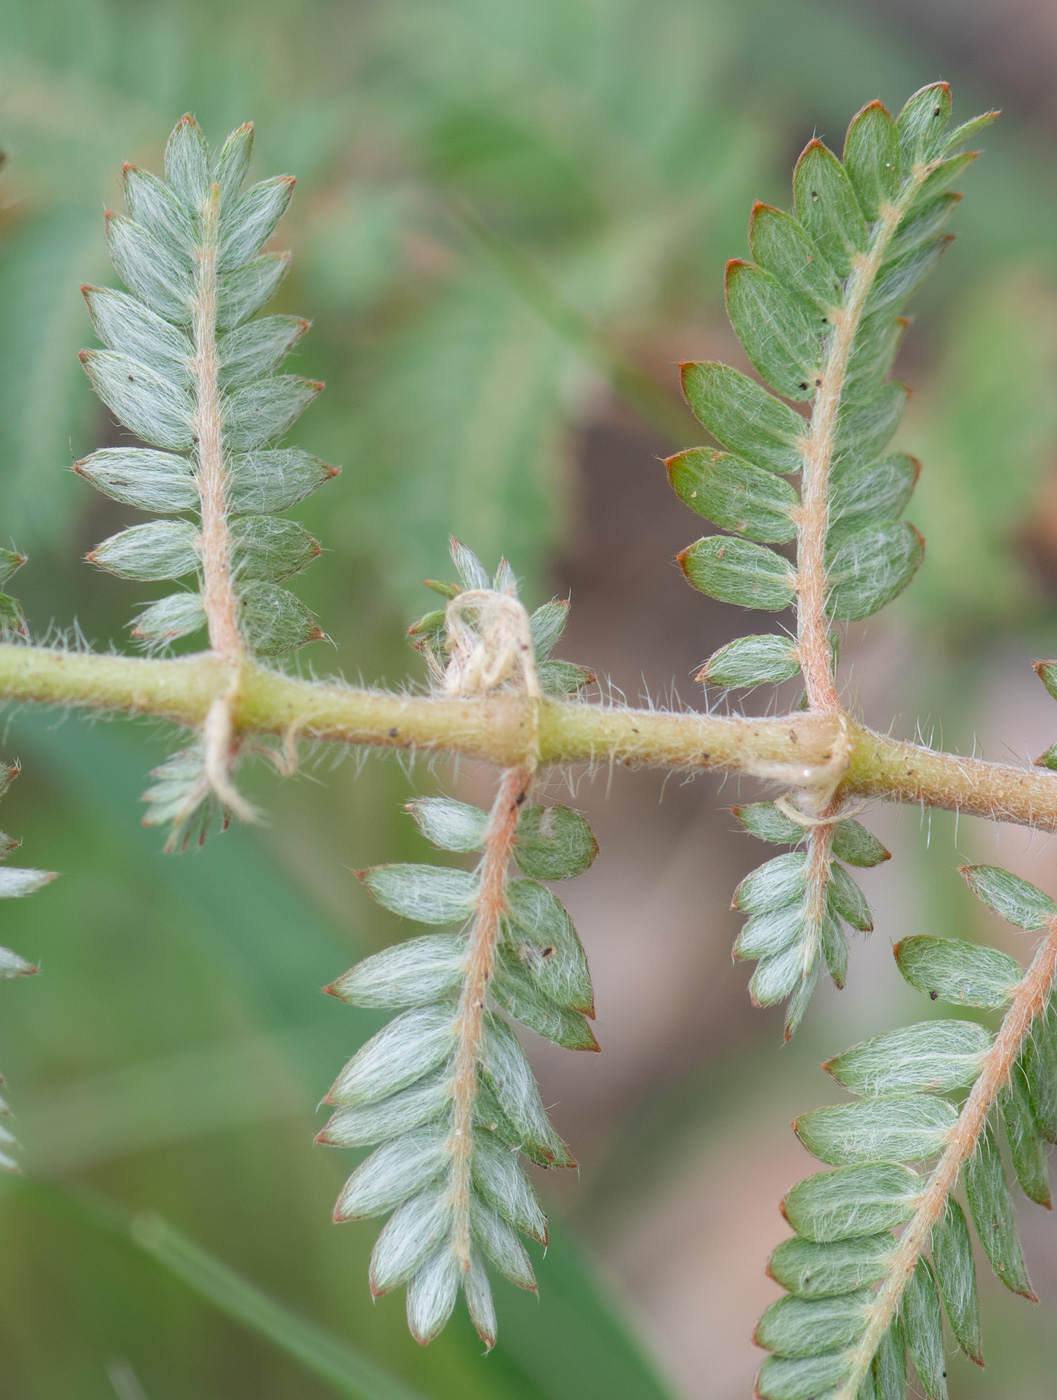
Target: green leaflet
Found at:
x=554, y=843
x=1026, y=1145
x=894, y=1127
x=827, y=207
x=766, y=821
x=870, y=567
x=541, y=938
x=744, y=417
x=785, y=1378
x=955, y=1273
x=783, y=344
x=451, y=825
x=852, y=1202
x=1039, y=1061
x=857, y=846
x=428, y=894
x=871, y=158
x=934, y=1056
x=750, y=661
x=992, y=1210
x=735, y=571
x=847, y=900
x=776, y=883
x=923, y=1326
x=811, y=1269
x=734, y=494
x=802, y=1327
x=949, y=969
x=784, y=248
x=1010, y=897
x=890, y=1364
x=876, y=491
x=922, y=123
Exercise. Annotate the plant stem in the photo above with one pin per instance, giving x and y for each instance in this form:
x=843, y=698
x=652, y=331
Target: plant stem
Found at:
x=499, y=728
x=491, y=905
x=1030, y=999
x=218, y=595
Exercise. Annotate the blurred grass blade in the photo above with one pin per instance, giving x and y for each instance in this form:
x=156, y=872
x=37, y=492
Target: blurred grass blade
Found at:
x=325, y=1356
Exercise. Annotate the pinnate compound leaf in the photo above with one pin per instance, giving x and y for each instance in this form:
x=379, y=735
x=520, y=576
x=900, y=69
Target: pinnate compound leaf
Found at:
x=734, y=571
x=750, y=661
x=553, y=843
x=894, y=1127
x=933, y=1057
x=784, y=346
x=964, y=974
x=955, y=1272
x=744, y=417
x=991, y=1206
x=923, y=1325
x=1010, y=897
x=734, y=494
x=870, y=567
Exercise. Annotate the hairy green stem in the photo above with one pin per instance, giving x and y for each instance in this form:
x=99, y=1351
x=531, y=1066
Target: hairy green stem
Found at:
x=500, y=729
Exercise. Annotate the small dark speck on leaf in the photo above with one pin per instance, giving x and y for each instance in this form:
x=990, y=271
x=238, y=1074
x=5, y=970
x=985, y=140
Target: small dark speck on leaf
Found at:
x=393, y=733
x=933, y=996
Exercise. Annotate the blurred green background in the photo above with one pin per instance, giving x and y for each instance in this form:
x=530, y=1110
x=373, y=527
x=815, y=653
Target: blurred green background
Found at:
x=510, y=224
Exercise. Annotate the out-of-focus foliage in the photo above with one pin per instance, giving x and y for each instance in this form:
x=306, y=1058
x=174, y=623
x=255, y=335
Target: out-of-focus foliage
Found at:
x=172, y=1051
